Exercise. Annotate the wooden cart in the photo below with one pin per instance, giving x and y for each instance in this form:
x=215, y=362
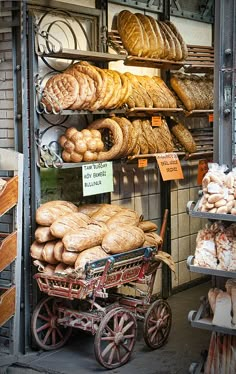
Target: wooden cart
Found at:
x=110, y=316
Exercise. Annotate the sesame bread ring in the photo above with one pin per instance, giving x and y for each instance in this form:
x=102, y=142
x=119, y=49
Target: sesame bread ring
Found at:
x=107, y=123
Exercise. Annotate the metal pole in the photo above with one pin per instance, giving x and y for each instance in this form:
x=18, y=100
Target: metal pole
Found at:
x=224, y=82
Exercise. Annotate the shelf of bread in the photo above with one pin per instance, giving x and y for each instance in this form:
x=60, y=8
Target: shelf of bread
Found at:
x=7, y=304
x=208, y=271
x=152, y=63
x=8, y=194
x=141, y=111
x=217, y=311
x=200, y=59
x=74, y=54
x=157, y=63
x=198, y=113
x=205, y=323
x=8, y=249
x=193, y=211
x=108, y=112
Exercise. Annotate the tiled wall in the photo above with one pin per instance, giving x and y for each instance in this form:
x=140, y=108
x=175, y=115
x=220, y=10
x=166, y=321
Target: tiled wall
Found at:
x=139, y=189
x=184, y=228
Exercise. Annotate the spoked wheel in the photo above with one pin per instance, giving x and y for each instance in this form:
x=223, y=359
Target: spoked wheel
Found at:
x=47, y=332
x=157, y=324
x=115, y=338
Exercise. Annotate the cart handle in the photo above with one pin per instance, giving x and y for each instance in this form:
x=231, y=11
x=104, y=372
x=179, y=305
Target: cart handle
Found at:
x=163, y=226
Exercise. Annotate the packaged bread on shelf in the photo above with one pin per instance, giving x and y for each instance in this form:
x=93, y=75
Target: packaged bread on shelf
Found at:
x=218, y=195
x=205, y=253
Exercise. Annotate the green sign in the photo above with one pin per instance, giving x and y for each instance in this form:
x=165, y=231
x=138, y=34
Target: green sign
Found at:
x=97, y=178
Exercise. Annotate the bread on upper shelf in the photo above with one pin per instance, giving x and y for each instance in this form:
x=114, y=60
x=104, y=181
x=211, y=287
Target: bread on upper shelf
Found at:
x=143, y=36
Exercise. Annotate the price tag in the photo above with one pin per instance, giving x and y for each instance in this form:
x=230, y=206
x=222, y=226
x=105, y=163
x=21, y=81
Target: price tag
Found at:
x=97, y=178
x=202, y=170
x=156, y=121
x=169, y=165
x=211, y=117
x=142, y=162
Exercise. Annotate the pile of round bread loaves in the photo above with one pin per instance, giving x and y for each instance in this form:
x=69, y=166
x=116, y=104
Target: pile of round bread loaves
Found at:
x=126, y=138
x=86, y=87
x=68, y=236
x=144, y=36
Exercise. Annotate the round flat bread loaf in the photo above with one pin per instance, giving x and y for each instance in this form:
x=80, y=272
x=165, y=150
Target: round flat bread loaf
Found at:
x=60, y=92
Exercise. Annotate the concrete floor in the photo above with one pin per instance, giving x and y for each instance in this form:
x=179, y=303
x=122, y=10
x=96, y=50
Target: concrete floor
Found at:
x=183, y=347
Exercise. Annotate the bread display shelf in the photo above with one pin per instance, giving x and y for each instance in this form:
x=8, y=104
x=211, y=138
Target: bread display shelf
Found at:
x=152, y=63
x=74, y=54
x=198, y=113
x=8, y=249
x=116, y=43
x=103, y=112
x=153, y=111
x=7, y=304
x=207, y=271
x=8, y=195
x=192, y=210
x=200, y=59
x=202, y=320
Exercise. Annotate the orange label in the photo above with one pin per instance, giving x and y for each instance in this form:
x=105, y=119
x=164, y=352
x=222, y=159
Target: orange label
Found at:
x=142, y=162
x=202, y=170
x=169, y=165
x=211, y=117
x=156, y=121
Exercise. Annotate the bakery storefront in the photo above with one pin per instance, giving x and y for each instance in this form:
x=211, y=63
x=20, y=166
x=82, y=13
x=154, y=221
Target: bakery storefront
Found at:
x=117, y=174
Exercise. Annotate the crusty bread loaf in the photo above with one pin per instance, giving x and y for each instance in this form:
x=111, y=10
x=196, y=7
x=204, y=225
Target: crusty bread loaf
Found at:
x=123, y=238
x=84, y=238
x=125, y=216
x=147, y=226
x=158, y=99
x=151, y=238
x=140, y=90
x=184, y=136
x=48, y=252
x=88, y=255
x=180, y=38
x=158, y=53
x=165, y=92
x=69, y=258
x=183, y=92
x=148, y=135
x=171, y=45
x=178, y=49
x=48, y=212
x=89, y=209
x=106, y=212
x=125, y=127
x=36, y=250
x=69, y=222
x=131, y=33
x=43, y=234
x=149, y=31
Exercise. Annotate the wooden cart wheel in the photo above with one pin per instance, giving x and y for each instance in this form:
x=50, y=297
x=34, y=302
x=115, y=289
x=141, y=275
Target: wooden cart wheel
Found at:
x=47, y=333
x=115, y=338
x=157, y=324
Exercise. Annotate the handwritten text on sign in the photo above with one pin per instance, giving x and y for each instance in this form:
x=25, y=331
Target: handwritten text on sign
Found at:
x=97, y=178
x=169, y=166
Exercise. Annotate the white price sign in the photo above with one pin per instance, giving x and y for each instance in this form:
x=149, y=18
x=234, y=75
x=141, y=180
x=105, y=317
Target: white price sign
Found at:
x=97, y=178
